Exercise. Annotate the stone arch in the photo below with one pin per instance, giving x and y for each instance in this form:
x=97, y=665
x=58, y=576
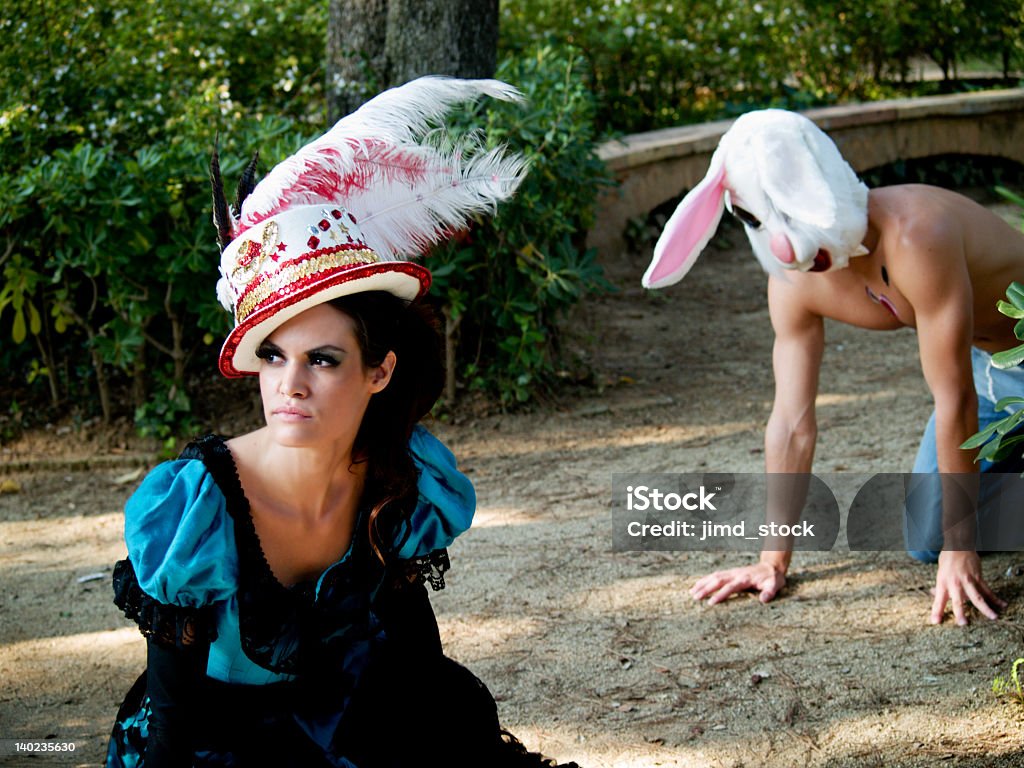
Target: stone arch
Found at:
x=658, y=166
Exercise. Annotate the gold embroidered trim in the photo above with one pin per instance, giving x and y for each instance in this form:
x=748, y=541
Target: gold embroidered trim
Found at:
x=286, y=279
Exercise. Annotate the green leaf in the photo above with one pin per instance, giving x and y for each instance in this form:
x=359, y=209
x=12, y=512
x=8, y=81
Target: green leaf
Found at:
x=1009, y=358
x=35, y=323
x=1009, y=310
x=1015, y=293
x=1007, y=425
x=1013, y=197
x=988, y=452
x=980, y=438
x=1008, y=401
x=18, y=330
x=1007, y=447
x=997, y=450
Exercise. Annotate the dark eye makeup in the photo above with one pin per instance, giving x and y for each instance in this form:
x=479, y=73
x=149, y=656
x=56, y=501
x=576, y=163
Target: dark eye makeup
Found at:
x=266, y=351
x=328, y=358
x=323, y=358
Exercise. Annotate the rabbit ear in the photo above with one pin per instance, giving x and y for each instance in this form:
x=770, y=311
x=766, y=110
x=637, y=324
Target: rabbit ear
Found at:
x=689, y=230
x=794, y=171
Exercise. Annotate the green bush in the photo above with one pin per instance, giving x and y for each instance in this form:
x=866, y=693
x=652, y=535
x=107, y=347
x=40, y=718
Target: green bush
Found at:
x=115, y=251
x=656, y=63
x=107, y=120
x=1011, y=688
x=108, y=259
x=504, y=287
x=110, y=109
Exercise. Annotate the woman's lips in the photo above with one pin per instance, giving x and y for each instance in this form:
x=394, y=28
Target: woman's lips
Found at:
x=289, y=413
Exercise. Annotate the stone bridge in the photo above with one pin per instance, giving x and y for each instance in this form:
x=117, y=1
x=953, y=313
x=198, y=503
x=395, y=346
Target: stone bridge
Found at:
x=658, y=166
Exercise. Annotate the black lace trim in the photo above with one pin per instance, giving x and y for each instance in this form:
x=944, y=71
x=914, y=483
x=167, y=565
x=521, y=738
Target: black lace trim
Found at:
x=294, y=630
x=265, y=606
x=429, y=568
x=327, y=632
x=166, y=624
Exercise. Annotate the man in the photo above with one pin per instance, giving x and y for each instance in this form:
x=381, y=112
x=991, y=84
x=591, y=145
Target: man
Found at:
x=909, y=255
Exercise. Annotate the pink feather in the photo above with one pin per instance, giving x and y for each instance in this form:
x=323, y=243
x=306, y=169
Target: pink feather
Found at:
x=405, y=185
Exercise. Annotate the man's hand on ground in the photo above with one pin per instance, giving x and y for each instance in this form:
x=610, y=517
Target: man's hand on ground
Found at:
x=761, y=578
x=959, y=581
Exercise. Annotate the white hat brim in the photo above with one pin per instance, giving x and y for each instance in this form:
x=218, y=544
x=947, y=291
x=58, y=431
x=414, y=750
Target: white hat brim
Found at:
x=403, y=279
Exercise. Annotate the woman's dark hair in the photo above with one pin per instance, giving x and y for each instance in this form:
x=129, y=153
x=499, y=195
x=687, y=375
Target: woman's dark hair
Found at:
x=384, y=323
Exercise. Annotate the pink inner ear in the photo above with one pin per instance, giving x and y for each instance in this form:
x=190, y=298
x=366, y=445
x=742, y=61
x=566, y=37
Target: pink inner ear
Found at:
x=689, y=230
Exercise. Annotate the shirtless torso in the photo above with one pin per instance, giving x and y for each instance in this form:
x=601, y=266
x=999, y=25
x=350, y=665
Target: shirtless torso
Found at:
x=937, y=262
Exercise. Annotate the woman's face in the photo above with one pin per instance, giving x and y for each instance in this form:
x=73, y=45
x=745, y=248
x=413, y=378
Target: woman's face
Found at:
x=314, y=385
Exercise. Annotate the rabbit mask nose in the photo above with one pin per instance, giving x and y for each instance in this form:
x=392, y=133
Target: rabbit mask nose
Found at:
x=782, y=249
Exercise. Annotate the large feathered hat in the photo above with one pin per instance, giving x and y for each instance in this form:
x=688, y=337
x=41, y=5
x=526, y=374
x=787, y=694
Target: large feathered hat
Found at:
x=347, y=212
x=802, y=205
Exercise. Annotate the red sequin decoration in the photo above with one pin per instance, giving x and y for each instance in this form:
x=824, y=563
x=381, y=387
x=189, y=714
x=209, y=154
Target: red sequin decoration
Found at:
x=324, y=225
x=250, y=250
x=313, y=242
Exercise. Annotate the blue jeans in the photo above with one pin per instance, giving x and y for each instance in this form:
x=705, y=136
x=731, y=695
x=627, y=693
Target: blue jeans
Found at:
x=924, y=515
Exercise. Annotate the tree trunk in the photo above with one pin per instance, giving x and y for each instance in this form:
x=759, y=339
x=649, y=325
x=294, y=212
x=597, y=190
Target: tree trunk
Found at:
x=177, y=338
x=46, y=353
x=441, y=37
x=450, y=339
x=375, y=44
x=356, y=68
x=102, y=388
x=140, y=384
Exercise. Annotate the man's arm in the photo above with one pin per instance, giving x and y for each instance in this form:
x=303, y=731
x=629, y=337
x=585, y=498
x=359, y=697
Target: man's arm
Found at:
x=789, y=442
x=938, y=286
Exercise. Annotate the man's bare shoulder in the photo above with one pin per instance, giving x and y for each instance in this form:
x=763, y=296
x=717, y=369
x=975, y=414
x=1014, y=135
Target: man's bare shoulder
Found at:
x=916, y=218
x=944, y=251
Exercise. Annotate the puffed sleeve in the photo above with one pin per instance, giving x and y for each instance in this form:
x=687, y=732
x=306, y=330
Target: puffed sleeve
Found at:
x=181, y=553
x=446, y=502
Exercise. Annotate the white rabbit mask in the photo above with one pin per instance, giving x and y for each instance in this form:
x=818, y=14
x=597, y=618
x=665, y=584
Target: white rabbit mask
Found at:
x=802, y=205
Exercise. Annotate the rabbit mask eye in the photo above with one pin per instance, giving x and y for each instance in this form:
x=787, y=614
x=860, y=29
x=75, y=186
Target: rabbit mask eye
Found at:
x=746, y=217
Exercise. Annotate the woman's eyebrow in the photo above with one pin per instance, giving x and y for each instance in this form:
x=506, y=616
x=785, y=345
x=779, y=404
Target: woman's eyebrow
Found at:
x=329, y=349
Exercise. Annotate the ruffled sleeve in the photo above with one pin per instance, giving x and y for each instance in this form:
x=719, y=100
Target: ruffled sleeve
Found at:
x=180, y=537
x=181, y=553
x=446, y=502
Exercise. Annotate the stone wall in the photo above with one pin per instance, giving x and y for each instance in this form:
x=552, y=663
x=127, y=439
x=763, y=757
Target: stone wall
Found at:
x=658, y=166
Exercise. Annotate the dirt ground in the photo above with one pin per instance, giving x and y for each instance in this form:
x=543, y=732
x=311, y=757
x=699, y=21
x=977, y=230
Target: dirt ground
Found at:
x=595, y=656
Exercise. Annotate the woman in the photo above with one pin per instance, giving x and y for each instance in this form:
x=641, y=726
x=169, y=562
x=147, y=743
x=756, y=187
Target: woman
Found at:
x=278, y=576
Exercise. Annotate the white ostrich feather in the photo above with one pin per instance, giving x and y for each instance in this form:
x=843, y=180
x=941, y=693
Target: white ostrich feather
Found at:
x=396, y=169
x=397, y=217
